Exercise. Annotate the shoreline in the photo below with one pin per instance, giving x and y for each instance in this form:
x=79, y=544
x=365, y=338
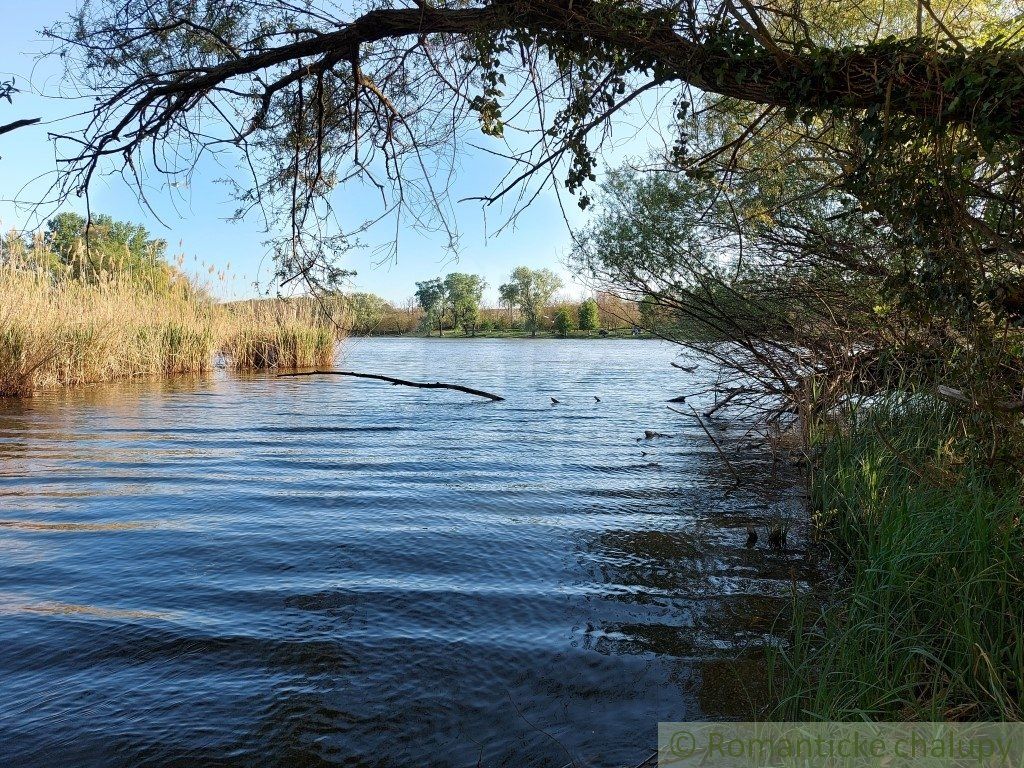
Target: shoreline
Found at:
x=514, y=335
x=262, y=354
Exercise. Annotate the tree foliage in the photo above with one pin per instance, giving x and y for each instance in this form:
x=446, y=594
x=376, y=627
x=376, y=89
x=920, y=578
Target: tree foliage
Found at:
x=815, y=294
x=363, y=312
x=588, y=316
x=316, y=98
x=508, y=297
x=464, y=292
x=533, y=290
x=91, y=250
x=432, y=298
x=564, y=322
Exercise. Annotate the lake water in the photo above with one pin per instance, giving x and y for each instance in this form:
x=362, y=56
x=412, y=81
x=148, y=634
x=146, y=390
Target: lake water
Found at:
x=309, y=571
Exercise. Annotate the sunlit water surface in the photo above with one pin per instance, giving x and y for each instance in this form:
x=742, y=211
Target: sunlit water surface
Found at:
x=254, y=570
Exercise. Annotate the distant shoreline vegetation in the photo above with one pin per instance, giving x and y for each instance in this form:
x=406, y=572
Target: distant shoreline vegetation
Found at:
x=90, y=302
x=370, y=315
x=452, y=307
x=365, y=314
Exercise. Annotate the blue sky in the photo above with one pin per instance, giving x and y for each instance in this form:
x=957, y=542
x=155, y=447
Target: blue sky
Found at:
x=196, y=218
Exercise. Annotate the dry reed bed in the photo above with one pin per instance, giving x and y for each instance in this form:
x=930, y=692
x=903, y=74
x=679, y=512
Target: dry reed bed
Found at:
x=63, y=332
x=278, y=334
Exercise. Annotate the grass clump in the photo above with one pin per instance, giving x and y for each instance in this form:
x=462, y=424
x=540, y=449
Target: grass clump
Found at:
x=278, y=334
x=928, y=619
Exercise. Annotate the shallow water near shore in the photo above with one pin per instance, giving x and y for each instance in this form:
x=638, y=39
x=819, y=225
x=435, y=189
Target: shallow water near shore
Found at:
x=306, y=571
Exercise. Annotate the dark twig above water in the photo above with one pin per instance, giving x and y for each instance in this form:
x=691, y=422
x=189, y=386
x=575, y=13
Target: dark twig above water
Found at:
x=399, y=382
x=732, y=393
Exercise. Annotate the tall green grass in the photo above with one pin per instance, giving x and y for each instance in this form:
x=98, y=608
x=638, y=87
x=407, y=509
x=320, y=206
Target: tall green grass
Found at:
x=927, y=618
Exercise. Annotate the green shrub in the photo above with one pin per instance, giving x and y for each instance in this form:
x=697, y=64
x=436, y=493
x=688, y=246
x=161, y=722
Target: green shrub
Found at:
x=563, y=322
x=588, y=316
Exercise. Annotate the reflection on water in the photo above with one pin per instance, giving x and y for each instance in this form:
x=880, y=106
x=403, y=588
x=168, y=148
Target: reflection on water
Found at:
x=312, y=571
x=10, y=604
x=29, y=525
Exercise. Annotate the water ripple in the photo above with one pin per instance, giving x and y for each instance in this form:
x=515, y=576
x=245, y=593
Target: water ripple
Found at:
x=250, y=570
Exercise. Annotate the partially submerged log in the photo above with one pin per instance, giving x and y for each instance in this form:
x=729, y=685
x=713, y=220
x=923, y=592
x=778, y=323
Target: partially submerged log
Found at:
x=650, y=434
x=398, y=382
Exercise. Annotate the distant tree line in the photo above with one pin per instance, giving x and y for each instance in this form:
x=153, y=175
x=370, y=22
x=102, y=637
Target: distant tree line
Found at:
x=90, y=250
x=527, y=303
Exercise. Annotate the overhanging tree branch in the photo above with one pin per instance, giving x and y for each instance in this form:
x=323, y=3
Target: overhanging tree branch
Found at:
x=18, y=124
x=391, y=88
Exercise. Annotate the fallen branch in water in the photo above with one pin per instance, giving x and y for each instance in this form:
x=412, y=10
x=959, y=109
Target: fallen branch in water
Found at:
x=687, y=368
x=396, y=382
x=726, y=400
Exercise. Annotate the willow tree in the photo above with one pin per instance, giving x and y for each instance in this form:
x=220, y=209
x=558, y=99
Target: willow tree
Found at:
x=534, y=290
x=464, y=292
